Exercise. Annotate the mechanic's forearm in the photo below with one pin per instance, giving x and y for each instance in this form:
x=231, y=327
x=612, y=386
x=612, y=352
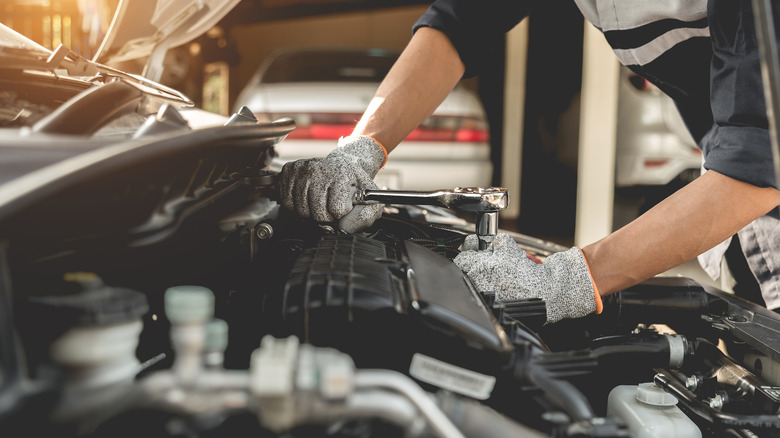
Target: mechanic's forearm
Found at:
x=423, y=76
x=688, y=223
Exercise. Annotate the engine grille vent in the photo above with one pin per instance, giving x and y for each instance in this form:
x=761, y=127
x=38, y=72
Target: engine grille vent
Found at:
x=343, y=274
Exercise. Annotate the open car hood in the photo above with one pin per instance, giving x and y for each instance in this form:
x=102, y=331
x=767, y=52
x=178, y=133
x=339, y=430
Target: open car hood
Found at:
x=149, y=28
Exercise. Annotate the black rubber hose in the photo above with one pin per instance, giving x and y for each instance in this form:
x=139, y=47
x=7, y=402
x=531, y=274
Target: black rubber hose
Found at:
x=707, y=356
x=91, y=109
x=652, y=351
x=644, y=352
x=560, y=392
x=548, y=371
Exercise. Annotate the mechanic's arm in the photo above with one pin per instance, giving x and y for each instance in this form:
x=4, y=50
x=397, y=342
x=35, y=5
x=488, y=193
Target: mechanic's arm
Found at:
x=425, y=73
x=323, y=188
x=696, y=218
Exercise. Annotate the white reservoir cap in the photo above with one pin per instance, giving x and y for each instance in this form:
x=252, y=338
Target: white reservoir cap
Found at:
x=189, y=304
x=650, y=394
x=216, y=335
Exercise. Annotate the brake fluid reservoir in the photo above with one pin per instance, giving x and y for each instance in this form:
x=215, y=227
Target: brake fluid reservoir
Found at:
x=649, y=411
x=104, y=325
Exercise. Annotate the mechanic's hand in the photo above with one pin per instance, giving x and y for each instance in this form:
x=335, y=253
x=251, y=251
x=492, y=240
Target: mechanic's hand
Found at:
x=563, y=280
x=323, y=188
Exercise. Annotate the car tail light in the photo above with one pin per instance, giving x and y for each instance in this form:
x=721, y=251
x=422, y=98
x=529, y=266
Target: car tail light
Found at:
x=331, y=126
x=649, y=163
x=452, y=129
x=318, y=126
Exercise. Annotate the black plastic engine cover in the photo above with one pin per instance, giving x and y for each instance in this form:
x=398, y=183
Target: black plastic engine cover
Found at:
x=384, y=301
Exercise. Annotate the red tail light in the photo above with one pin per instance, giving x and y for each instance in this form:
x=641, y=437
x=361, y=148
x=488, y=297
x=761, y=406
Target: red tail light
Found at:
x=331, y=126
x=650, y=163
x=321, y=132
x=451, y=129
x=318, y=126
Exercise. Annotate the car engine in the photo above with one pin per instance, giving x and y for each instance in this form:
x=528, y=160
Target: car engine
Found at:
x=150, y=285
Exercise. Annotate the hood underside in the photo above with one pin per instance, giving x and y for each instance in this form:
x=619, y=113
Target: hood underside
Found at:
x=141, y=27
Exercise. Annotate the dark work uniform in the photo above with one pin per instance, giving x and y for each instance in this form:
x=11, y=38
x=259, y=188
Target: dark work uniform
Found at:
x=703, y=54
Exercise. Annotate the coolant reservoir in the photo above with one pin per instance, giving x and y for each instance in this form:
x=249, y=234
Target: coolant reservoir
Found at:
x=649, y=411
x=98, y=348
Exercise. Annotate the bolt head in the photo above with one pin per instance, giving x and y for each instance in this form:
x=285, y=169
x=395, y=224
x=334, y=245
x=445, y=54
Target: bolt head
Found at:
x=264, y=231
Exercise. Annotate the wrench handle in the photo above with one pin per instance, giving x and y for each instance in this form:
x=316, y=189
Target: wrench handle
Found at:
x=403, y=197
x=474, y=199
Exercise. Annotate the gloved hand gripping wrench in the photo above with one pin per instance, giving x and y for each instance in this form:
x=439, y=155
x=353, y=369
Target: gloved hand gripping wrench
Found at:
x=486, y=202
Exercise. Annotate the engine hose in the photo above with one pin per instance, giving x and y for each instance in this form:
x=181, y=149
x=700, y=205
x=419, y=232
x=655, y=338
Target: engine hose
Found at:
x=659, y=351
x=548, y=371
x=709, y=414
x=560, y=392
x=479, y=421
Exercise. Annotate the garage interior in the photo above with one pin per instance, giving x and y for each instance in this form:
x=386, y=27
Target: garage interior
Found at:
x=531, y=93
x=551, y=96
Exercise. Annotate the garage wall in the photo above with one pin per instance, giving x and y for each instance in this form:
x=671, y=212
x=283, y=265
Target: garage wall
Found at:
x=387, y=28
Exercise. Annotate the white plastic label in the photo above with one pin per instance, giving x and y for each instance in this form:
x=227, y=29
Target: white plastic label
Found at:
x=451, y=377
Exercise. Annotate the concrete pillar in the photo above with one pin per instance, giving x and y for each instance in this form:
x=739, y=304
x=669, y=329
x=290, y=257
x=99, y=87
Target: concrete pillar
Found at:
x=598, y=125
x=514, y=106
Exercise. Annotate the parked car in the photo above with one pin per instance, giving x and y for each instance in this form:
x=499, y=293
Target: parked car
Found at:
x=655, y=154
x=654, y=148
x=151, y=286
x=326, y=90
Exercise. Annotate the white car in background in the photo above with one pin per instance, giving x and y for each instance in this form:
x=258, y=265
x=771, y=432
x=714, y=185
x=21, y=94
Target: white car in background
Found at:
x=326, y=90
x=654, y=148
x=655, y=153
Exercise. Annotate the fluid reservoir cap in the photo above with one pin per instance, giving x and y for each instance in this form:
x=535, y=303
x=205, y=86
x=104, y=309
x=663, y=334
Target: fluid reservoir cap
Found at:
x=216, y=335
x=650, y=394
x=189, y=304
x=85, y=301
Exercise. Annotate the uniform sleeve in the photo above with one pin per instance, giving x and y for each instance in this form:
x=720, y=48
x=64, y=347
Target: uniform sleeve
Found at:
x=475, y=27
x=739, y=144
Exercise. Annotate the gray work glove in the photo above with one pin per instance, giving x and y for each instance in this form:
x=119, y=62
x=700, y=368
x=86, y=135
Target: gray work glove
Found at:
x=323, y=188
x=563, y=280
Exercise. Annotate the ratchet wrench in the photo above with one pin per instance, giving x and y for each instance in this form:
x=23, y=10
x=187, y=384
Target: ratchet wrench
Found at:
x=486, y=202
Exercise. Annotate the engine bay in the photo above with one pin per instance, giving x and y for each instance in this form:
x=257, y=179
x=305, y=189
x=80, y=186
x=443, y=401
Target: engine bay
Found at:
x=151, y=285
x=182, y=301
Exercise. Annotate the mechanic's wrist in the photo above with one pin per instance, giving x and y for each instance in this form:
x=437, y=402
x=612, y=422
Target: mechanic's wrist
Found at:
x=596, y=294
x=365, y=147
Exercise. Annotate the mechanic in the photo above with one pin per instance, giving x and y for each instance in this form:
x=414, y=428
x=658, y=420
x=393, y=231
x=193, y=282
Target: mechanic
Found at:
x=703, y=54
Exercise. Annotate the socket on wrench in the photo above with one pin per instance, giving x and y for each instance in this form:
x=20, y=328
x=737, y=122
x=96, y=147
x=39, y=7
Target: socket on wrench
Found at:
x=486, y=202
